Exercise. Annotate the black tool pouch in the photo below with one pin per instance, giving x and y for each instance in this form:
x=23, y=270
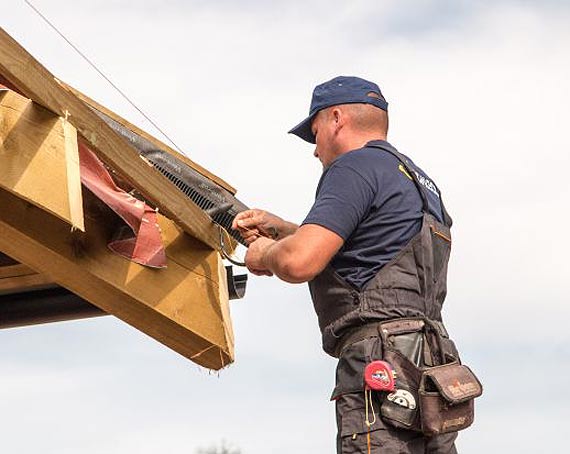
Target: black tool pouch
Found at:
x=447, y=396
x=434, y=392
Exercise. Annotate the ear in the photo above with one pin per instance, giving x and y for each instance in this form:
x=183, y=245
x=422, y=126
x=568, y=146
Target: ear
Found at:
x=338, y=118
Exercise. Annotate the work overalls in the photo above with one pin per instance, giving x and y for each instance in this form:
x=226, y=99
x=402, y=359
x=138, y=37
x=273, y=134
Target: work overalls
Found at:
x=411, y=286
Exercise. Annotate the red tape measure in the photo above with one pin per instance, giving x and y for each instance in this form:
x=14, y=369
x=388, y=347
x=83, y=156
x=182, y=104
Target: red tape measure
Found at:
x=380, y=376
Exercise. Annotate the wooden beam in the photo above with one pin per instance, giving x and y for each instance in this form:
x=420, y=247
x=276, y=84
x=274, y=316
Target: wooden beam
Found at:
x=26, y=282
x=34, y=81
x=184, y=306
x=19, y=269
x=18, y=278
x=39, y=159
x=159, y=144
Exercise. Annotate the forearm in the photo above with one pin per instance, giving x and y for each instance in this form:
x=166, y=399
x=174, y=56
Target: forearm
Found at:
x=299, y=257
x=285, y=229
x=282, y=260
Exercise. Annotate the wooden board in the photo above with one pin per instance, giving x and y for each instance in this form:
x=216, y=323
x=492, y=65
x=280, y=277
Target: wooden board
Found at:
x=18, y=278
x=184, y=306
x=25, y=73
x=26, y=282
x=15, y=270
x=39, y=158
x=159, y=145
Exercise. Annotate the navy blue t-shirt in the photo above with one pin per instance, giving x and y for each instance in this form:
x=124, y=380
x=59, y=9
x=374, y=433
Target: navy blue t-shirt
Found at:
x=368, y=198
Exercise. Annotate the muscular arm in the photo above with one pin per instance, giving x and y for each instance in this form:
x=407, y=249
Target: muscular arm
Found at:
x=297, y=258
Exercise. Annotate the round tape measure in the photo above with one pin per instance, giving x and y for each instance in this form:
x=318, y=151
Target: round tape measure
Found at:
x=380, y=376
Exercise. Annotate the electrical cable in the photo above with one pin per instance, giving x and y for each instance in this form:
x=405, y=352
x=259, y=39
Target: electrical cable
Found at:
x=94, y=66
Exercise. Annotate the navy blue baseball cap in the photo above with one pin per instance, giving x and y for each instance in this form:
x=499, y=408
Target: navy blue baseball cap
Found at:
x=340, y=90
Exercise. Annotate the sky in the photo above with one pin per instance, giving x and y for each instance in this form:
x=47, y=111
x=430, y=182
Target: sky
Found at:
x=479, y=98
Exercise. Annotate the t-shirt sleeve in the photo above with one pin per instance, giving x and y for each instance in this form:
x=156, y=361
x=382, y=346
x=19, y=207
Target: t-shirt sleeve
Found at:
x=343, y=199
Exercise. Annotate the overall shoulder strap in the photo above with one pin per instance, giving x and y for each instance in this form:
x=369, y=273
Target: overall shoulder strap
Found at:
x=414, y=175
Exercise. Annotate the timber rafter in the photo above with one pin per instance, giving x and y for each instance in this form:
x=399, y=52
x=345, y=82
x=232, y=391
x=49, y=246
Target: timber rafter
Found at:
x=34, y=81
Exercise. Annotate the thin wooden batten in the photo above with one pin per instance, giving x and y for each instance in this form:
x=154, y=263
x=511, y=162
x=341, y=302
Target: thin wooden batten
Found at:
x=39, y=159
x=159, y=144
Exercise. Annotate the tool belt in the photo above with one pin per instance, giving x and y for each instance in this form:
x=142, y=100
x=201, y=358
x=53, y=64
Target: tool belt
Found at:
x=434, y=392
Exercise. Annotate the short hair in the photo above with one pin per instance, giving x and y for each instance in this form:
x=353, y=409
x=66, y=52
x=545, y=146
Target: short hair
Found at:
x=366, y=117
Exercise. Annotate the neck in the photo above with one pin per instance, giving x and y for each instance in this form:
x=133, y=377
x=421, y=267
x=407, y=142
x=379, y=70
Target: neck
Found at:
x=356, y=141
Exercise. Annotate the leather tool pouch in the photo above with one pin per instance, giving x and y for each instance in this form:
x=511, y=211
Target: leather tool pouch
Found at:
x=434, y=392
x=401, y=408
x=446, y=398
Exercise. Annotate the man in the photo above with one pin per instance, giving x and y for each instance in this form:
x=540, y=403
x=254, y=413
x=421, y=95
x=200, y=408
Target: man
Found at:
x=374, y=247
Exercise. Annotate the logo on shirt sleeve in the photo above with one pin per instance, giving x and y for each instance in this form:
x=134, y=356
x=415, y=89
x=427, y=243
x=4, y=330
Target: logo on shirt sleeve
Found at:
x=424, y=181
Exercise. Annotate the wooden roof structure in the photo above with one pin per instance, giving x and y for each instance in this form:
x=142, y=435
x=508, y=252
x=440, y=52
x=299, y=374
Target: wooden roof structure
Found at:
x=54, y=233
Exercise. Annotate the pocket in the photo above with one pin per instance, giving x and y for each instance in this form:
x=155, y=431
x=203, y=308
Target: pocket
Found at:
x=401, y=408
x=447, y=396
x=351, y=364
x=441, y=248
x=438, y=417
x=353, y=432
x=450, y=350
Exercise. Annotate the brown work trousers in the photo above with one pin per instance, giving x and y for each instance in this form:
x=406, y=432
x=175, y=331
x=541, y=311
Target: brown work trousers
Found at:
x=384, y=439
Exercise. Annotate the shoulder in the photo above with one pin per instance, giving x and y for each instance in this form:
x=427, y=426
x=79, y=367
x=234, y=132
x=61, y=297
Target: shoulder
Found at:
x=370, y=163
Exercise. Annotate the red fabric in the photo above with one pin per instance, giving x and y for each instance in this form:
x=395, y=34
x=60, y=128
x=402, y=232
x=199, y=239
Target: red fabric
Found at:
x=141, y=242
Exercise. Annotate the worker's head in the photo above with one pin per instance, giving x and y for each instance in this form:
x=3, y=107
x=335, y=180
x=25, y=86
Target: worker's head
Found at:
x=345, y=113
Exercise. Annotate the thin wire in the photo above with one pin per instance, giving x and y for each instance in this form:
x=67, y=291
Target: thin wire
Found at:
x=103, y=75
x=223, y=248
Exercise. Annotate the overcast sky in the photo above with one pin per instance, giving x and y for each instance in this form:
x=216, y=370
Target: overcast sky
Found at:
x=479, y=98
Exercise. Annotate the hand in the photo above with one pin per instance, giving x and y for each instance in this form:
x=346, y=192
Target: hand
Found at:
x=255, y=223
x=255, y=257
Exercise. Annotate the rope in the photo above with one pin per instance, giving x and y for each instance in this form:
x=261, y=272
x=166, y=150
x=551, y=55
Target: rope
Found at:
x=94, y=66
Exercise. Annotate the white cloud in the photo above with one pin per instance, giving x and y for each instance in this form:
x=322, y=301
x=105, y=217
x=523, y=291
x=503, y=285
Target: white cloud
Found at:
x=478, y=97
